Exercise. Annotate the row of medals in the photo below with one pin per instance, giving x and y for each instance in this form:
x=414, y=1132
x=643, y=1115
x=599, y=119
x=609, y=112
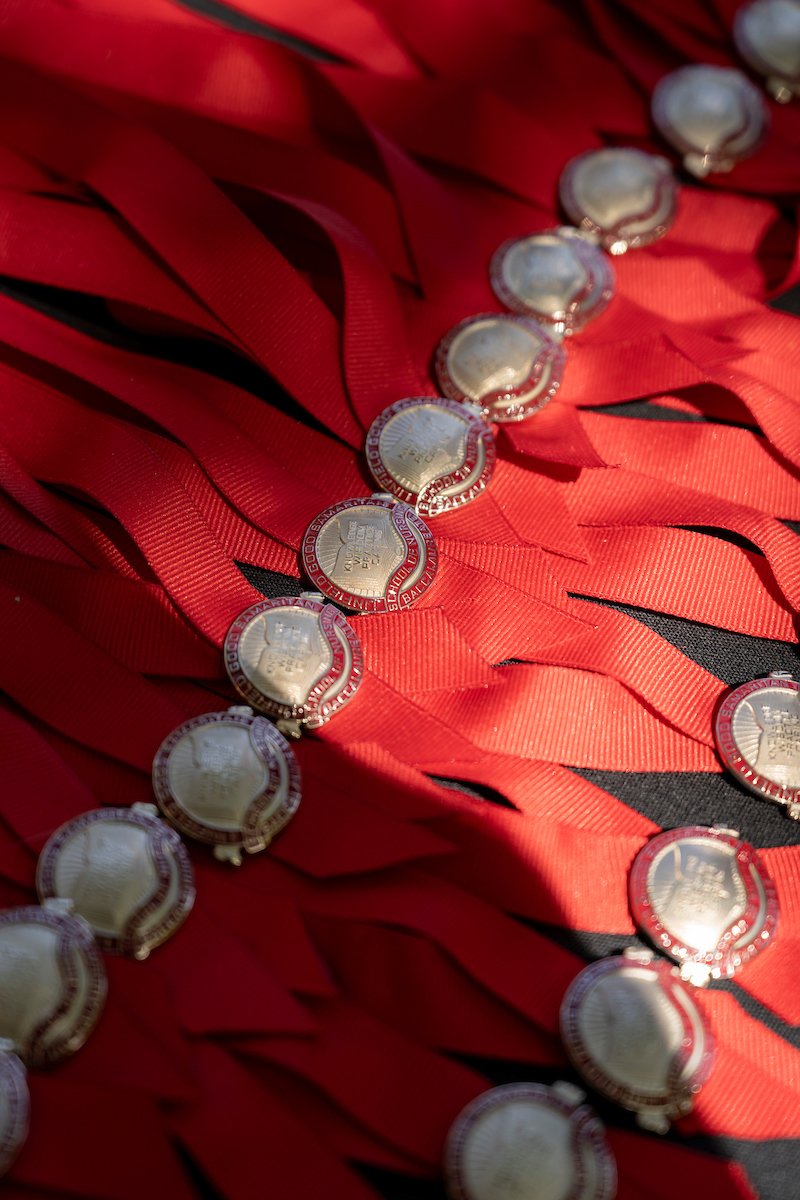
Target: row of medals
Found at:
x=120, y=879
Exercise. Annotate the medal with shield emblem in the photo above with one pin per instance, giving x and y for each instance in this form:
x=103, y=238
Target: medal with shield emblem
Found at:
x=703, y=897
x=560, y=278
x=767, y=35
x=52, y=981
x=372, y=554
x=510, y=366
x=713, y=115
x=433, y=454
x=633, y=1031
x=624, y=197
x=228, y=779
x=296, y=659
x=127, y=873
x=758, y=737
x=525, y=1140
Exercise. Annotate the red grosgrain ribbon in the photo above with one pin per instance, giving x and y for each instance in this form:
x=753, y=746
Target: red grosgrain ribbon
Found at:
x=656, y=568
x=595, y=500
x=769, y=977
x=663, y=1169
x=271, y=310
x=459, y=1016
x=57, y=1155
x=236, y=1110
x=342, y=1063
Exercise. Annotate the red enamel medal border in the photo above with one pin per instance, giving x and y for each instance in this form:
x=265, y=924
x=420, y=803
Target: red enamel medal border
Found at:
x=14, y=1088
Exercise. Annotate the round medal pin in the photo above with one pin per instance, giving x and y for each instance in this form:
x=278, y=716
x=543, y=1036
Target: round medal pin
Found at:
x=229, y=779
x=433, y=454
x=127, y=873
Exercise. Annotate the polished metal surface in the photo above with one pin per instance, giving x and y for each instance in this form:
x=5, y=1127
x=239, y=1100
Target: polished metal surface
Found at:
x=635, y=1034
x=757, y=731
x=703, y=897
x=495, y=355
x=295, y=658
x=14, y=1105
x=713, y=115
x=215, y=773
x=767, y=35
x=283, y=653
x=373, y=554
x=509, y=365
x=126, y=872
x=420, y=444
x=554, y=277
x=433, y=454
x=52, y=982
x=525, y=1140
x=766, y=729
x=626, y=197
x=228, y=779
x=632, y=1030
x=360, y=550
x=697, y=891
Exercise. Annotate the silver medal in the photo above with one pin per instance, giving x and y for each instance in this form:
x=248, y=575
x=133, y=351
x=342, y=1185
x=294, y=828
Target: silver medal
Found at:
x=633, y=1031
x=372, y=554
x=767, y=35
x=713, y=115
x=559, y=278
x=758, y=737
x=295, y=658
x=14, y=1105
x=524, y=1141
x=625, y=197
x=509, y=366
x=127, y=873
x=702, y=896
x=431, y=453
x=228, y=779
x=52, y=981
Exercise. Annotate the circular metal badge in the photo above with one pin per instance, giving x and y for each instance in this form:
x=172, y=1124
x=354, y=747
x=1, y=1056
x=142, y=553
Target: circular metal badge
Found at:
x=713, y=115
x=634, y=1033
x=127, y=873
x=767, y=35
x=625, y=197
x=14, y=1105
x=527, y=1140
x=510, y=366
x=558, y=277
x=228, y=779
x=432, y=454
x=295, y=658
x=758, y=737
x=372, y=554
x=52, y=982
x=702, y=896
